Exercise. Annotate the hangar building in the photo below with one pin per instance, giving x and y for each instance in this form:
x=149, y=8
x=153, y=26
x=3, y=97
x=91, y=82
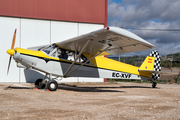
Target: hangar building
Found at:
x=41, y=22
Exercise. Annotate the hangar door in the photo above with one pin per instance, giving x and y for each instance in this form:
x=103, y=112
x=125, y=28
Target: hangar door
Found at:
x=34, y=32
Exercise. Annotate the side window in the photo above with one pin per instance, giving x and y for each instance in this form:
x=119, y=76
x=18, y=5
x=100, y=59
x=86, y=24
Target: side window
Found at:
x=55, y=51
x=83, y=59
x=65, y=54
x=71, y=56
x=62, y=54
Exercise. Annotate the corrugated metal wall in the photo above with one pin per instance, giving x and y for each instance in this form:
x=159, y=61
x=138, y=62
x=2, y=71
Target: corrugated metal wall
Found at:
x=89, y=11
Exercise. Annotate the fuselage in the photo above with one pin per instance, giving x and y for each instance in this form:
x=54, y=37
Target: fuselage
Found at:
x=101, y=67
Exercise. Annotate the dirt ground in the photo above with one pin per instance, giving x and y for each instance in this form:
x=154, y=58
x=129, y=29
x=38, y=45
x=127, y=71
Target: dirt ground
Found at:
x=172, y=74
x=93, y=101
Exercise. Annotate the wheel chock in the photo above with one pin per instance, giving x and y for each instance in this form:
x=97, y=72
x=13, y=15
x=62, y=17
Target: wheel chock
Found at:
x=36, y=88
x=48, y=90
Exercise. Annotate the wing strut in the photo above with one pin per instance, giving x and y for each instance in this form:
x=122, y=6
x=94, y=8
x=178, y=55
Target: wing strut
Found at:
x=90, y=59
x=77, y=57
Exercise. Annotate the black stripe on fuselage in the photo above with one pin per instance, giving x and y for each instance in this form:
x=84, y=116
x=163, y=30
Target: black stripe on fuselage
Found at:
x=60, y=60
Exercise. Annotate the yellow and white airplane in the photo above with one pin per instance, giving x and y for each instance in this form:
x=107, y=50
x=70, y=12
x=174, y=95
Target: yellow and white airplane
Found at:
x=82, y=56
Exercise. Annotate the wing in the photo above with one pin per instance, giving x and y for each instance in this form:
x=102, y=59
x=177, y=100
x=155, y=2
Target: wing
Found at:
x=120, y=40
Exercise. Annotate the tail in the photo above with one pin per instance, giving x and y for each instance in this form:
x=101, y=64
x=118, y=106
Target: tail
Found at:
x=151, y=65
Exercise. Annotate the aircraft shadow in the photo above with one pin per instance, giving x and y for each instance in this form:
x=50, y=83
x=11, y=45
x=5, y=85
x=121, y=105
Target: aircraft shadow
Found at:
x=97, y=89
x=85, y=89
x=72, y=88
x=10, y=87
x=137, y=87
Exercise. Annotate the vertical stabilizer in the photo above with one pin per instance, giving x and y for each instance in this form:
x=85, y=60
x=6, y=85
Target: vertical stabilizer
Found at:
x=152, y=63
x=148, y=64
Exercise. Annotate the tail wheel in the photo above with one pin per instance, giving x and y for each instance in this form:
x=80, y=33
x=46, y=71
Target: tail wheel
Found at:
x=52, y=85
x=39, y=84
x=154, y=84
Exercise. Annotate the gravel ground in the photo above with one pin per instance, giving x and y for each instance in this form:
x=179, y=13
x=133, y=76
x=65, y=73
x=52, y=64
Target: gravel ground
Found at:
x=81, y=101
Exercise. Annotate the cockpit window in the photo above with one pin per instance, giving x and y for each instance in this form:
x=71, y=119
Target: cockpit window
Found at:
x=49, y=48
x=57, y=52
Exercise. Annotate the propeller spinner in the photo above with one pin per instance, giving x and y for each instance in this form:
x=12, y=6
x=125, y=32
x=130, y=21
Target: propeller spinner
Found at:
x=11, y=51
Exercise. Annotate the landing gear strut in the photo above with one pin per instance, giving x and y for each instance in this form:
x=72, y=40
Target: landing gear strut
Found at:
x=47, y=82
x=154, y=84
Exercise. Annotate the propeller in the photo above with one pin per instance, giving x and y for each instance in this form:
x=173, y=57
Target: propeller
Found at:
x=11, y=51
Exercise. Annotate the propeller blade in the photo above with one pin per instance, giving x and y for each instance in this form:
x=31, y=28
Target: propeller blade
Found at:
x=12, y=48
x=14, y=39
x=9, y=64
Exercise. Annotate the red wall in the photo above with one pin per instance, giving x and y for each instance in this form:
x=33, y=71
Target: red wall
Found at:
x=90, y=11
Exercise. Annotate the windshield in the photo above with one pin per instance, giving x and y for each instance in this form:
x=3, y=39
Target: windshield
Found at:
x=49, y=48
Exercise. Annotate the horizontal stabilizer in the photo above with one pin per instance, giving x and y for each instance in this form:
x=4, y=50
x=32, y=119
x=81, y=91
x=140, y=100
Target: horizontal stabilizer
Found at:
x=156, y=72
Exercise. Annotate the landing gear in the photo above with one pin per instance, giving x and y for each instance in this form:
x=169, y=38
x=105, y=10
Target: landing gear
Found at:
x=154, y=84
x=39, y=84
x=47, y=82
x=52, y=85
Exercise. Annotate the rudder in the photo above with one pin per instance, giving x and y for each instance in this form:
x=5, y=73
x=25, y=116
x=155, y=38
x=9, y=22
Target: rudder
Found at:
x=157, y=64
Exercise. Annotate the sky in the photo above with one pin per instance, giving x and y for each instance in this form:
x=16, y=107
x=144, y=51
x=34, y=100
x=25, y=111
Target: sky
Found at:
x=149, y=14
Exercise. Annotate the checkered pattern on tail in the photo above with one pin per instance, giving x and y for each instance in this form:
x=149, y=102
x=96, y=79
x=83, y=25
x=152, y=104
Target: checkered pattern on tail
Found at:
x=157, y=64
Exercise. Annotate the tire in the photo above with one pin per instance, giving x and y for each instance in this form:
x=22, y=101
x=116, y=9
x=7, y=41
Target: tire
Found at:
x=52, y=85
x=154, y=84
x=39, y=85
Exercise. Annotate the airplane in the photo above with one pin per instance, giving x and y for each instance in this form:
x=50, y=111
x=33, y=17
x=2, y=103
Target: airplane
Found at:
x=82, y=56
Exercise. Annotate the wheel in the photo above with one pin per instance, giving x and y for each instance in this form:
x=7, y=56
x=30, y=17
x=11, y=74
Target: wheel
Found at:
x=39, y=84
x=154, y=84
x=52, y=85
